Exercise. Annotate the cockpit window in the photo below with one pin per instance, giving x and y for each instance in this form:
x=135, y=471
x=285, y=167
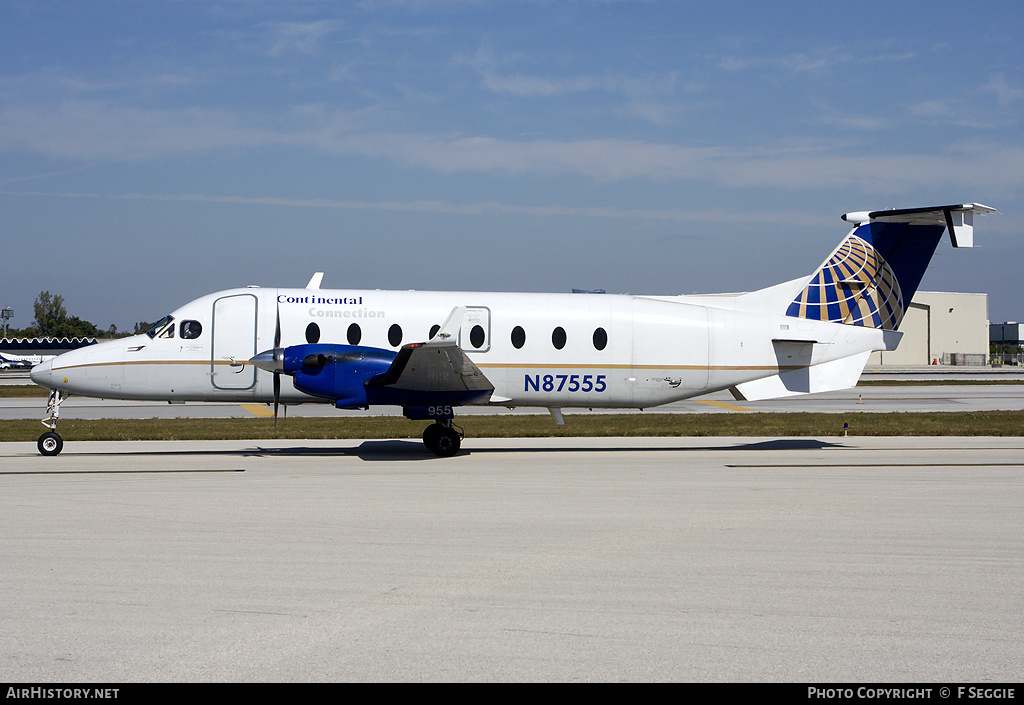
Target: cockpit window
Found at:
x=190, y=330
x=159, y=326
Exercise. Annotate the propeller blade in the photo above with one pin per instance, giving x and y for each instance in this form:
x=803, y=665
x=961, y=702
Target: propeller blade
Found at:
x=277, y=396
x=277, y=373
x=277, y=328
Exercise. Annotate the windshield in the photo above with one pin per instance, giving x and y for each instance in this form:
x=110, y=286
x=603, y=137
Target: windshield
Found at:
x=159, y=326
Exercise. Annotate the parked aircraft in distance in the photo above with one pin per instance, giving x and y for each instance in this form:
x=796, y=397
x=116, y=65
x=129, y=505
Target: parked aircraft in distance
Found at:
x=430, y=352
x=7, y=363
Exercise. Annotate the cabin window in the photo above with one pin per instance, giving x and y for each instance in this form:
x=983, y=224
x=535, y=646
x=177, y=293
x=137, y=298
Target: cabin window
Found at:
x=518, y=337
x=558, y=338
x=433, y=331
x=159, y=326
x=190, y=330
x=395, y=335
x=312, y=333
x=477, y=336
x=600, y=338
x=354, y=334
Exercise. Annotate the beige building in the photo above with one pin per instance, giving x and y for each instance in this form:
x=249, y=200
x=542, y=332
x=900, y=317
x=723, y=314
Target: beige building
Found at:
x=937, y=327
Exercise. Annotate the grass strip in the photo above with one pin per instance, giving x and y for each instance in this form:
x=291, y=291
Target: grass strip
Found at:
x=22, y=391
x=981, y=423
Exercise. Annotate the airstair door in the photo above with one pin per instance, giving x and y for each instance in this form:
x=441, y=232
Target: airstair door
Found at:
x=234, y=342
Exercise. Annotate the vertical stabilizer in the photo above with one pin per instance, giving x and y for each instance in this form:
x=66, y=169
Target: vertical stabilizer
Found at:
x=871, y=277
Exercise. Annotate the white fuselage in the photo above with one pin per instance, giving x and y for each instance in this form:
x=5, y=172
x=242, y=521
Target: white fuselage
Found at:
x=612, y=351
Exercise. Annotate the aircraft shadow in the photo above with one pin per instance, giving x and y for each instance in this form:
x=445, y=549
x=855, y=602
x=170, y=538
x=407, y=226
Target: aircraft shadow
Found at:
x=780, y=444
x=408, y=450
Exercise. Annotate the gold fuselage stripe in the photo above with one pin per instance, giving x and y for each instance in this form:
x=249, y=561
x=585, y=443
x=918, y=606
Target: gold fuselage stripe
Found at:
x=482, y=365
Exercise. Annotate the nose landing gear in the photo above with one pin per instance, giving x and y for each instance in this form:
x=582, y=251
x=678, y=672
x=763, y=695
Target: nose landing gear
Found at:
x=50, y=443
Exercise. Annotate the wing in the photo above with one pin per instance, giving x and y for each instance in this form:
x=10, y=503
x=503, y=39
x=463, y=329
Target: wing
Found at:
x=436, y=367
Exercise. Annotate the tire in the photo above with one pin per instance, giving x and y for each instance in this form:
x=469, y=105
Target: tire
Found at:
x=430, y=435
x=448, y=443
x=50, y=443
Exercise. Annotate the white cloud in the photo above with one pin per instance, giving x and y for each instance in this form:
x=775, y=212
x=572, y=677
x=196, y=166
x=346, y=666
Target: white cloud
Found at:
x=784, y=167
x=97, y=130
x=807, y=62
x=298, y=37
x=868, y=123
x=675, y=215
x=1005, y=93
x=496, y=80
x=102, y=131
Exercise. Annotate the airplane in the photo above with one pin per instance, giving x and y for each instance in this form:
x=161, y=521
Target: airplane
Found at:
x=7, y=363
x=431, y=352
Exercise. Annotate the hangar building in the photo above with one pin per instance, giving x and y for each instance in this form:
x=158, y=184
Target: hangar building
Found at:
x=941, y=328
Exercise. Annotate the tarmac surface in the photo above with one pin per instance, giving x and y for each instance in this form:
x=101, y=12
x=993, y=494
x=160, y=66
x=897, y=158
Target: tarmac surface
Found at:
x=680, y=559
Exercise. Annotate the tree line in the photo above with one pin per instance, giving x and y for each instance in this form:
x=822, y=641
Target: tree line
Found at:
x=52, y=321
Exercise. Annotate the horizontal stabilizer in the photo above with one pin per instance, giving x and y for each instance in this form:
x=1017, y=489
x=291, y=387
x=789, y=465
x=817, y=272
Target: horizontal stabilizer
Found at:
x=958, y=219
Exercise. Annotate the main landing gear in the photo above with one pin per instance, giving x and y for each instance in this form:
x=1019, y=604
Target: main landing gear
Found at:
x=443, y=438
x=50, y=443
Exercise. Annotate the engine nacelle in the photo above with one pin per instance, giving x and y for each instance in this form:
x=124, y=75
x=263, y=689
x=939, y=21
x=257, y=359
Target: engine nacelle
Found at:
x=336, y=372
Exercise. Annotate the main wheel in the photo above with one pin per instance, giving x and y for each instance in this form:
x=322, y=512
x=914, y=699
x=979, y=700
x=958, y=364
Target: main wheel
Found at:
x=430, y=435
x=50, y=443
x=447, y=443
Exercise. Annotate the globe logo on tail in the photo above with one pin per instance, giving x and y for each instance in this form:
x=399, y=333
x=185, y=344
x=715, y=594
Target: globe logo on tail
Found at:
x=855, y=286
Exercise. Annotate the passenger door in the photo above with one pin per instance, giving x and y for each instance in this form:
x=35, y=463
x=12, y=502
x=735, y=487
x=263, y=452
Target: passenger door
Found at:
x=234, y=342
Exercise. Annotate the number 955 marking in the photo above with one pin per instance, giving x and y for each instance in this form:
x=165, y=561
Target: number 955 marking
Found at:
x=565, y=383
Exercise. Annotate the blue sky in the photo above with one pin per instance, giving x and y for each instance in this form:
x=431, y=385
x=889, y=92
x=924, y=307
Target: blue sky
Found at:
x=152, y=152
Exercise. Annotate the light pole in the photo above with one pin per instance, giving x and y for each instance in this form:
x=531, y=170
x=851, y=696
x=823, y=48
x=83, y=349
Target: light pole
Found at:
x=7, y=313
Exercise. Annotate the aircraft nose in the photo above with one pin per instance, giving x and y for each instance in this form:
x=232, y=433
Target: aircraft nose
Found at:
x=42, y=374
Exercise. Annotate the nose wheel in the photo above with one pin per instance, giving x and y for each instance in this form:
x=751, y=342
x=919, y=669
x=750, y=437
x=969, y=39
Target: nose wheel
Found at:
x=50, y=443
x=442, y=439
